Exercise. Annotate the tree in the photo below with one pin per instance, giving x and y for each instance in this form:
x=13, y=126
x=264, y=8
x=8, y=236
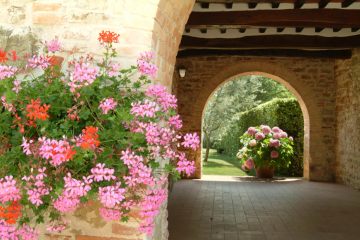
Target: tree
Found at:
x=232, y=97
x=236, y=96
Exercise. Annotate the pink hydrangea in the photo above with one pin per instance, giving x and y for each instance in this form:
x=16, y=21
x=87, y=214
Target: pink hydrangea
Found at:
x=252, y=143
x=145, y=65
x=109, y=214
x=251, y=131
x=283, y=135
x=274, y=143
x=265, y=129
x=7, y=71
x=274, y=154
x=276, y=130
x=83, y=75
x=259, y=136
x=8, y=189
x=184, y=165
x=53, y=45
x=40, y=61
x=110, y=196
x=191, y=140
x=277, y=135
x=249, y=164
x=175, y=122
x=101, y=173
x=107, y=105
x=144, y=109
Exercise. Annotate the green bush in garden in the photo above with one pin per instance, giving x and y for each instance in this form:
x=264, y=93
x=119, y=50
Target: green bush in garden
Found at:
x=285, y=113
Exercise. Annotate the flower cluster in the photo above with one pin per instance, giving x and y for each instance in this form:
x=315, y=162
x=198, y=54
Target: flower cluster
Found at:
x=57, y=151
x=145, y=65
x=83, y=75
x=265, y=146
x=108, y=104
x=89, y=139
x=7, y=71
x=38, y=61
x=36, y=111
x=86, y=133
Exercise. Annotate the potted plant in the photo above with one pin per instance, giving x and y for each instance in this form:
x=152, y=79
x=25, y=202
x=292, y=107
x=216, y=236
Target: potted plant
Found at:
x=264, y=149
x=93, y=133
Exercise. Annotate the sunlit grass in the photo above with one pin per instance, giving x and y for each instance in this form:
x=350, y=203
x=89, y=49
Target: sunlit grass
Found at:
x=219, y=164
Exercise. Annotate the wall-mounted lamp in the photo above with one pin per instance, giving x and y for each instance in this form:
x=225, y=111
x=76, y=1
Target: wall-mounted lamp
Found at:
x=182, y=72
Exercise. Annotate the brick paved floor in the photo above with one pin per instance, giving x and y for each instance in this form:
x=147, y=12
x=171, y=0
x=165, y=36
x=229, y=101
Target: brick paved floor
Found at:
x=289, y=210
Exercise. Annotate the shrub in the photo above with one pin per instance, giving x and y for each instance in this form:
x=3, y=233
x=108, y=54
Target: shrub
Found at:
x=285, y=113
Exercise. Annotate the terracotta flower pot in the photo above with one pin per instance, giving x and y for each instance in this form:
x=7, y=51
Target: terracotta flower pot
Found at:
x=265, y=172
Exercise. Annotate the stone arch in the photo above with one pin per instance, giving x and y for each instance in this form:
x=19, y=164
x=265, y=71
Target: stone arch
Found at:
x=169, y=25
x=287, y=84
x=205, y=74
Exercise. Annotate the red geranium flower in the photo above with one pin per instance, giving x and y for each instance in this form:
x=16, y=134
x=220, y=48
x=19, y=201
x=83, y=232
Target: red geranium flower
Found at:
x=10, y=213
x=13, y=55
x=37, y=112
x=89, y=138
x=108, y=37
x=3, y=57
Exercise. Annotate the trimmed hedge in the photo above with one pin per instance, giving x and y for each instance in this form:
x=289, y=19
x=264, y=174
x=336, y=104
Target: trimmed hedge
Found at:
x=284, y=113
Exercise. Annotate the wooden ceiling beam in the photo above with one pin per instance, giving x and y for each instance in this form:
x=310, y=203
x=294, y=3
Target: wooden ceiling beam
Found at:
x=347, y=3
x=336, y=54
x=323, y=3
x=261, y=1
x=275, y=4
x=327, y=18
x=272, y=41
x=252, y=5
x=299, y=3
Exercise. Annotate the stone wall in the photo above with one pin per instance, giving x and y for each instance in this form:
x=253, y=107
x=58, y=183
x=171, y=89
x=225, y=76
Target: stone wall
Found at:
x=311, y=80
x=347, y=74
x=142, y=24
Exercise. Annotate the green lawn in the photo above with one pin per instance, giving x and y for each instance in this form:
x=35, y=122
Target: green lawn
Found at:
x=219, y=164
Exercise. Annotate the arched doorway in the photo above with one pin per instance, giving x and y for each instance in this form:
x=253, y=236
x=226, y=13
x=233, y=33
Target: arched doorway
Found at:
x=234, y=106
x=205, y=74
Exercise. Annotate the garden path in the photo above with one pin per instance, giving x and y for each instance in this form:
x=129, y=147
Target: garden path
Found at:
x=230, y=208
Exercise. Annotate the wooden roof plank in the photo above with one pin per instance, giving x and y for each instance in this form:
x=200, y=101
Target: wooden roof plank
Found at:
x=336, y=54
x=327, y=18
x=272, y=41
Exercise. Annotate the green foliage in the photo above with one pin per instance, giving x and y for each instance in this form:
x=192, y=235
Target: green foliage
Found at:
x=284, y=113
x=239, y=95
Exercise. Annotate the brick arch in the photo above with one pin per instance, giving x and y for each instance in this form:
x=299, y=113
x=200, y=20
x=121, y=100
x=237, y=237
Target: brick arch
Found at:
x=288, y=85
x=308, y=79
x=169, y=25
